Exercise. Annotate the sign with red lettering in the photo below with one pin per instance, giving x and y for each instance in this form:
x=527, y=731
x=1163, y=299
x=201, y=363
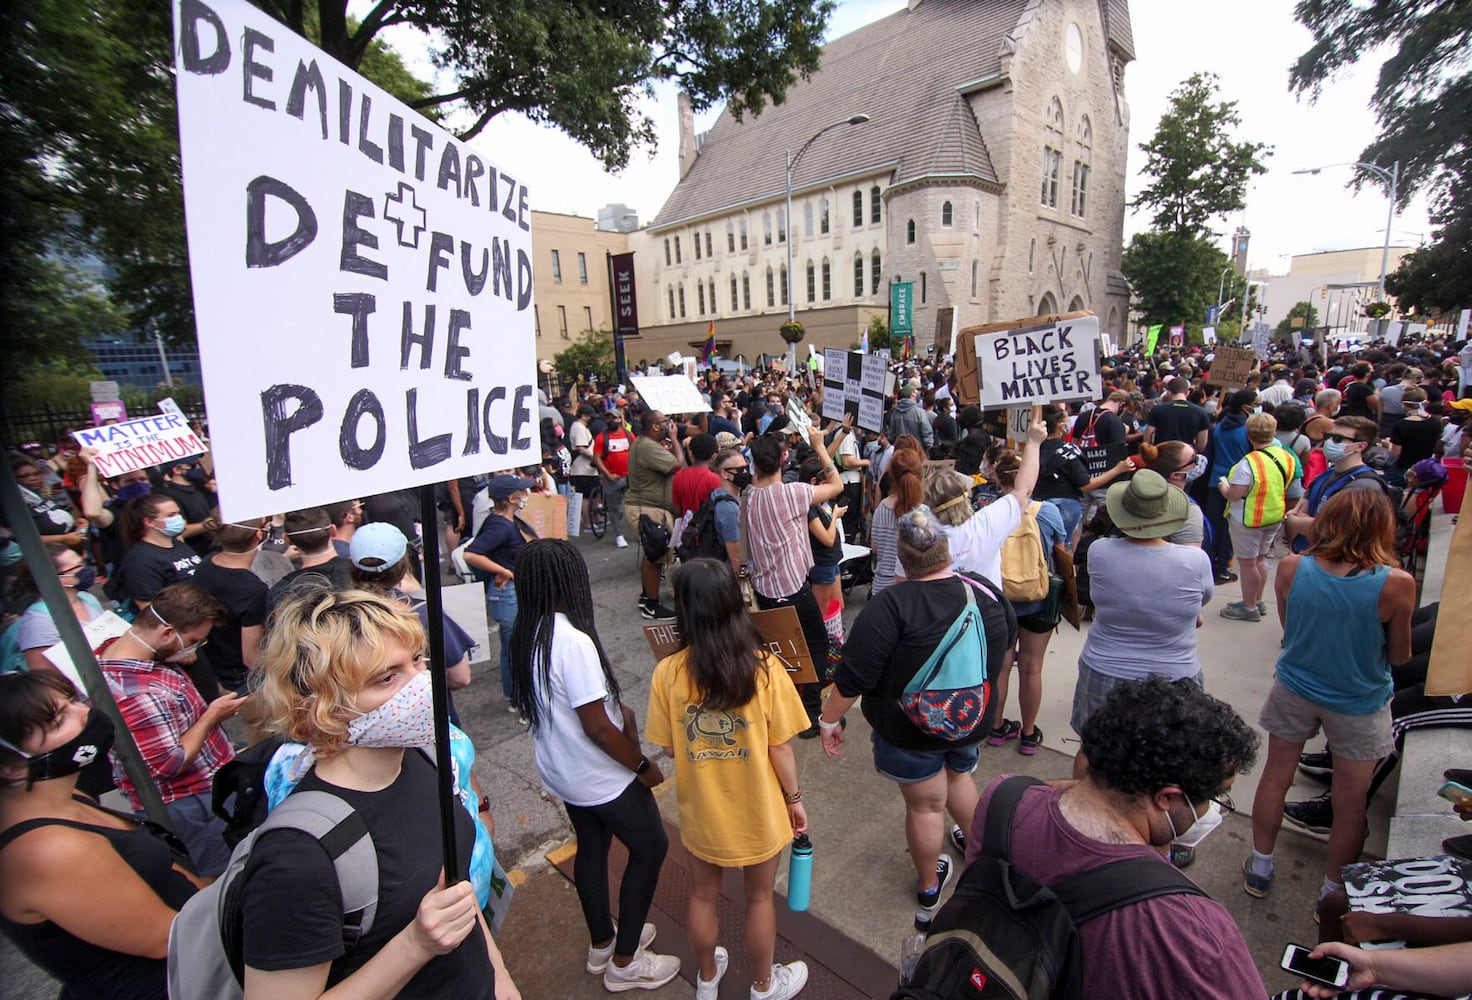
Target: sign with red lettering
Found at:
x=138, y=444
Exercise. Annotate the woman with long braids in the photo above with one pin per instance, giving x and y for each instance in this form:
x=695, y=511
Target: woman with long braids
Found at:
x=726, y=712
x=586, y=745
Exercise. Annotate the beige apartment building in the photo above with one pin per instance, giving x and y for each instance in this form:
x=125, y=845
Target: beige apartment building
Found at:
x=1338, y=283
x=570, y=278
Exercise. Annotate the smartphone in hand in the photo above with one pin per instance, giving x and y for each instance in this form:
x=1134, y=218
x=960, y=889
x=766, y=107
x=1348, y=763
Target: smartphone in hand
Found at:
x=1329, y=971
x=1458, y=793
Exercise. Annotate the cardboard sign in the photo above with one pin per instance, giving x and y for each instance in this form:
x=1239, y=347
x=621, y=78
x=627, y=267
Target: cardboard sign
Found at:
x=1230, y=367
x=108, y=411
x=546, y=514
x=140, y=443
x=1100, y=458
x=104, y=392
x=1048, y=359
x=854, y=383
x=670, y=393
x=779, y=628
x=362, y=279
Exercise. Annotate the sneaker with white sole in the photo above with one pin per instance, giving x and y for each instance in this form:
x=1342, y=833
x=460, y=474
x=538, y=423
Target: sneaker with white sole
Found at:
x=786, y=981
x=712, y=990
x=958, y=839
x=619, y=543
x=598, y=957
x=1237, y=611
x=653, y=610
x=648, y=971
x=929, y=899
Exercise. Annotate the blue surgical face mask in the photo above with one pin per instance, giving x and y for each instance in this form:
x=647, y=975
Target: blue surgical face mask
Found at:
x=174, y=525
x=1334, y=450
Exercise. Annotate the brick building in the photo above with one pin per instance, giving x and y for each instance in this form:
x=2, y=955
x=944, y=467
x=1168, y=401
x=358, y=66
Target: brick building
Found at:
x=990, y=174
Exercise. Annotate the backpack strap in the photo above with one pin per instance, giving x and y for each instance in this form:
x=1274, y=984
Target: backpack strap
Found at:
x=996, y=839
x=1114, y=886
x=343, y=834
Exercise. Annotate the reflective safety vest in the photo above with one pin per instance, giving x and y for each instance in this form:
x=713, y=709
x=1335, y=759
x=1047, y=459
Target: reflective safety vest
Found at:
x=1267, y=501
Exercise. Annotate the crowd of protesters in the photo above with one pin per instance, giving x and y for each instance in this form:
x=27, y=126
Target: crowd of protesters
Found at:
x=310, y=625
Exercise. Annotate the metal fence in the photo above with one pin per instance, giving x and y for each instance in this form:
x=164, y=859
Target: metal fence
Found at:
x=48, y=424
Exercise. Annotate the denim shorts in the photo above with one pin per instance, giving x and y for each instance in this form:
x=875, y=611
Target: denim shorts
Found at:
x=822, y=574
x=911, y=766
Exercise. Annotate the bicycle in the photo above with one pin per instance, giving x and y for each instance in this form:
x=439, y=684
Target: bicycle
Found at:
x=597, y=510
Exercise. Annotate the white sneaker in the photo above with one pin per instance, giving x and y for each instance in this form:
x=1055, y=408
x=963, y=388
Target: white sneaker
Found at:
x=598, y=957
x=787, y=981
x=648, y=971
x=712, y=990
x=619, y=543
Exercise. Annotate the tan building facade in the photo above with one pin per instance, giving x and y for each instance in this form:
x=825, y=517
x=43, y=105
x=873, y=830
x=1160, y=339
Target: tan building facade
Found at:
x=990, y=175
x=570, y=278
x=1337, y=283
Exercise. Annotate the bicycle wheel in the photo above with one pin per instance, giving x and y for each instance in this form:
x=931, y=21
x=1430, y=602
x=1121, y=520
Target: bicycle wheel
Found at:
x=597, y=512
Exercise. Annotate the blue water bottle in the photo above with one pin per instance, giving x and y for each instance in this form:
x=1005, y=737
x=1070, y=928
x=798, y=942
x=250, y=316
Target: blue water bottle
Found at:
x=800, y=873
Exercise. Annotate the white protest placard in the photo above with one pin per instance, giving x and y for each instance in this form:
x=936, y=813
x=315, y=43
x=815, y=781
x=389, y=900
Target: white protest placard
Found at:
x=167, y=405
x=108, y=625
x=854, y=383
x=1051, y=362
x=1262, y=341
x=104, y=392
x=137, y=444
x=1208, y=335
x=670, y=393
x=362, y=279
x=112, y=411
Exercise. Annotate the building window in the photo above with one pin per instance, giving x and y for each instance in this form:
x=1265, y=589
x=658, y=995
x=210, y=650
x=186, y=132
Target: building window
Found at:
x=977, y=224
x=1080, y=188
x=677, y=250
x=922, y=288
x=708, y=252
x=876, y=214
x=823, y=216
x=735, y=302
x=556, y=266
x=771, y=290
x=696, y=241
x=807, y=219
x=947, y=215
x=582, y=267
x=812, y=282
x=874, y=268
x=562, y=321
x=671, y=290
x=712, y=288
x=587, y=317
x=745, y=290
x=858, y=274
x=667, y=252
x=699, y=296
x=730, y=236
x=858, y=209
x=682, y=301
x=742, y=226
x=783, y=281
x=827, y=280
x=781, y=225
x=973, y=279
x=910, y=231
x=766, y=229
x=1052, y=164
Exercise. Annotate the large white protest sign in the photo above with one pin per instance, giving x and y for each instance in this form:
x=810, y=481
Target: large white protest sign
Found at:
x=854, y=383
x=362, y=280
x=1050, y=362
x=670, y=393
x=137, y=444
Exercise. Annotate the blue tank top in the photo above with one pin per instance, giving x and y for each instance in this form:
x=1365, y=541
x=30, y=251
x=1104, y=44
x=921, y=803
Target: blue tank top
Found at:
x=1333, y=640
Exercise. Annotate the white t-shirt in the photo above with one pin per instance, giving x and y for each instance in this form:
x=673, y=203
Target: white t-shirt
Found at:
x=572, y=767
x=580, y=437
x=976, y=545
x=848, y=450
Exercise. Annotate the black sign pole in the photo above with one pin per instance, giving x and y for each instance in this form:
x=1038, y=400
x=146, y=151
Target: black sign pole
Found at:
x=77, y=647
x=434, y=595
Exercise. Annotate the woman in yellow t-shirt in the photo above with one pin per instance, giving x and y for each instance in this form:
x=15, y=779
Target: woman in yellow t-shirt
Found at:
x=726, y=713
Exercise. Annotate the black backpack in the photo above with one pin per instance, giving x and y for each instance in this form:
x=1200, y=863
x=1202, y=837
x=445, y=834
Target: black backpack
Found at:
x=700, y=539
x=238, y=793
x=1004, y=935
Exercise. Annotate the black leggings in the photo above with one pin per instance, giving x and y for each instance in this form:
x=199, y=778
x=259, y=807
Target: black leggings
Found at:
x=810, y=617
x=633, y=818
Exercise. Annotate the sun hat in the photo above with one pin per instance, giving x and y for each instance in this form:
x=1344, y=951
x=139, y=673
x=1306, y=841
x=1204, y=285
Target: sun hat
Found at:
x=502, y=486
x=1147, y=506
x=380, y=541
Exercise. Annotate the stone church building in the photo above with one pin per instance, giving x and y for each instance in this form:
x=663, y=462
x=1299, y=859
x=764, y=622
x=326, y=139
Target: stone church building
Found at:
x=990, y=174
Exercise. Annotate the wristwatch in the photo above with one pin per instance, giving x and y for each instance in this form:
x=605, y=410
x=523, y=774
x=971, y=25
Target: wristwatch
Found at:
x=643, y=765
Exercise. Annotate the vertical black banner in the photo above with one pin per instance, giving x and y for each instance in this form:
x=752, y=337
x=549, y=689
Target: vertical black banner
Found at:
x=625, y=306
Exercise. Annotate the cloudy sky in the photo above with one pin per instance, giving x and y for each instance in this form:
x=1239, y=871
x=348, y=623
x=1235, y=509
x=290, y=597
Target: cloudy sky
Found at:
x=1248, y=44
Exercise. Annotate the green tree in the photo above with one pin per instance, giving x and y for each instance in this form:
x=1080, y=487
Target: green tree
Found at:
x=592, y=353
x=878, y=333
x=1198, y=172
x=1174, y=276
x=1301, y=310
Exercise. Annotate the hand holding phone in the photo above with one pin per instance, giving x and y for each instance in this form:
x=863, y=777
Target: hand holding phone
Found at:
x=1456, y=793
x=1329, y=971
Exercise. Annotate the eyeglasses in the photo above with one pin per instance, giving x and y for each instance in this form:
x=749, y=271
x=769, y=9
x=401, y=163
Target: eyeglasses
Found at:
x=733, y=468
x=1225, y=802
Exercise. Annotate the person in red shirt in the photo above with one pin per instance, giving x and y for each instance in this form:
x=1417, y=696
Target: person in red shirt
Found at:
x=611, y=456
x=693, y=483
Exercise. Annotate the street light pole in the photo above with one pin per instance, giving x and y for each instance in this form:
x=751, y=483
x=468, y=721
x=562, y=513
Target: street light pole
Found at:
x=792, y=159
x=1393, y=177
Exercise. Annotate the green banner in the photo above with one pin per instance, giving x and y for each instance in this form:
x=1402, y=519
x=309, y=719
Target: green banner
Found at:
x=901, y=308
x=1151, y=337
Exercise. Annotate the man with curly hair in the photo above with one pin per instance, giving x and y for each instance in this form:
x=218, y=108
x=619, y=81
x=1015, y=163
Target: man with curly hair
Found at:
x=1157, y=760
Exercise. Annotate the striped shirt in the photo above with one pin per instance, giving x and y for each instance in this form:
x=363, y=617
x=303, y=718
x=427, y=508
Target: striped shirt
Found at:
x=159, y=704
x=777, y=524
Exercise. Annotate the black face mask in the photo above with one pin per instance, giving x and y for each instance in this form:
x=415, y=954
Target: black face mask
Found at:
x=741, y=479
x=94, y=741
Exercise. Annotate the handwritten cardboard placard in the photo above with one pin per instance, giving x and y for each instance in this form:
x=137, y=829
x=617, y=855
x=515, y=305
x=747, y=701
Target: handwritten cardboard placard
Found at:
x=670, y=393
x=979, y=379
x=140, y=443
x=362, y=279
x=546, y=514
x=1230, y=367
x=779, y=629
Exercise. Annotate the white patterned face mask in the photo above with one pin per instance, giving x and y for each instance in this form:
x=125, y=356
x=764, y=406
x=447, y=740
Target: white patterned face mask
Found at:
x=405, y=720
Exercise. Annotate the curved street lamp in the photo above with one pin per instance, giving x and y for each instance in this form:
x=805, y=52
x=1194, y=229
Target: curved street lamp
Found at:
x=792, y=159
x=1393, y=176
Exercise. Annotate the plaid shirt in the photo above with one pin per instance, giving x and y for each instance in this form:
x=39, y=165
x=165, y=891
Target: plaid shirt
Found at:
x=159, y=704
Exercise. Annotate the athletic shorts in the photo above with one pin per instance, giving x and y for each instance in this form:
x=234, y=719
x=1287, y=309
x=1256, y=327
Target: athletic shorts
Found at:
x=1294, y=718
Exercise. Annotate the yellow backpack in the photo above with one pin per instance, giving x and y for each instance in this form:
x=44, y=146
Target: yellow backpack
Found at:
x=1024, y=563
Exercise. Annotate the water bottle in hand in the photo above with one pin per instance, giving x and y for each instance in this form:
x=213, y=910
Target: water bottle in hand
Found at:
x=800, y=873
